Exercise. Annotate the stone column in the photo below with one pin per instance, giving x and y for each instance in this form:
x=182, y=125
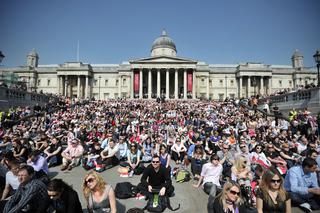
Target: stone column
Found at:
x=119, y=87
x=176, y=84
x=167, y=84
x=270, y=85
x=249, y=87
x=207, y=80
x=184, y=84
x=158, y=83
x=240, y=87
x=261, y=86
x=149, y=84
x=193, y=84
x=59, y=86
x=65, y=86
x=78, y=87
x=132, y=85
x=141, y=84
x=87, y=88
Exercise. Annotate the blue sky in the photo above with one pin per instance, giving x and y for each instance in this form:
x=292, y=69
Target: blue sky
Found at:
x=113, y=31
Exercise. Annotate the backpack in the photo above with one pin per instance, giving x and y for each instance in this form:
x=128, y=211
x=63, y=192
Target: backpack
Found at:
x=157, y=203
x=125, y=190
x=183, y=176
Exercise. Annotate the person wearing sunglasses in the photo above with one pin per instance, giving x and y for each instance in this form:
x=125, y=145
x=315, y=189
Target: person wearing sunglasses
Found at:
x=271, y=195
x=229, y=200
x=156, y=177
x=63, y=198
x=99, y=195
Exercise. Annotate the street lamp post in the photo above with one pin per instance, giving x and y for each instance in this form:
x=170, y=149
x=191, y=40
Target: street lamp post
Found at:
x=99, y=87
x=1, y=58
x=316, y=57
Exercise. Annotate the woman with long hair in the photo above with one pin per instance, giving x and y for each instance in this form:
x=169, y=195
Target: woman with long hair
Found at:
x=63, y=198
x=228, y=201
x=241, y=172
x=99, y=195
x=271, y=195
x=197, y=161
x=164, y=156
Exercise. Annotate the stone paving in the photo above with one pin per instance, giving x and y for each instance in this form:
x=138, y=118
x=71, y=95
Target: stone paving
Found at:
x=192, y=200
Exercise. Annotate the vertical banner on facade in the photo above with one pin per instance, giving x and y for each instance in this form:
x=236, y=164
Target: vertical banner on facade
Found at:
x=136, y=82
x=189, y=82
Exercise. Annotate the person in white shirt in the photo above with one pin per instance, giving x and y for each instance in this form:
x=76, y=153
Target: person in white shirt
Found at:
x=178, y=151
x=110, y=155
x=12, y=182
x=210, y=176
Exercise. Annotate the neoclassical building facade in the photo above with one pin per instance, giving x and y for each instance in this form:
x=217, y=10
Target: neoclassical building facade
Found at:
x=163, y=74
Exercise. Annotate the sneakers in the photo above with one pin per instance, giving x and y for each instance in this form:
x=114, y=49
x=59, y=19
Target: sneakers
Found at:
x=140, y=196
x=306, y=207
x=70, y=167
x=131, y=174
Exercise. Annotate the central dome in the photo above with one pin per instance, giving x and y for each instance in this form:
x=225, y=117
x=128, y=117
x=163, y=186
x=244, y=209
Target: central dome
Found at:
x=163, y=45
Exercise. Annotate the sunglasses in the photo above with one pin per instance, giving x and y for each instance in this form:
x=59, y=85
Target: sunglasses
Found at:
x=155, y=161
x=225, y=148
x=276, y=181
x=234, y=192
x=90, y=180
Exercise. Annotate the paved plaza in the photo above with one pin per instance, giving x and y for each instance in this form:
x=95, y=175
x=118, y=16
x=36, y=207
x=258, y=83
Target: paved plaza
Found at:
x=191, y=200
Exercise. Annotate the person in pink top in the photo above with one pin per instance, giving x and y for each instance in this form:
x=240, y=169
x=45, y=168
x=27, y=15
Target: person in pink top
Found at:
x=71, y=155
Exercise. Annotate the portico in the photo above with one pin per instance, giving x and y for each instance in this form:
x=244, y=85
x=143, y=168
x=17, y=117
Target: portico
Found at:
x=171, y=83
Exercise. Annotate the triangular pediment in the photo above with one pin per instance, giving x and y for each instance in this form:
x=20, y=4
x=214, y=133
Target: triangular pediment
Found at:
x=163, y=59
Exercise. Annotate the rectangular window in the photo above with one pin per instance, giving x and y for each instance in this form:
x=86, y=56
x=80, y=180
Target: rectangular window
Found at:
x=106, y=82
x=290, y=83
x=48, y=82
x=117, y=82
x=232, y=82
x=221, y=97
x=95, y=82
x=210, y=82
x=106, y=95
x=221, y=82
x=39, y=82
x=124, y=95
x=124, y=82
x=116, y=95
x=280, y=83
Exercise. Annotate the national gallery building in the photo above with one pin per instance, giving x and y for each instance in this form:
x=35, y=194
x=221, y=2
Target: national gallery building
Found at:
x=162, y=74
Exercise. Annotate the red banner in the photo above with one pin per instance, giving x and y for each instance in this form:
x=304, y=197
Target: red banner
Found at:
x=189, y=81
x=136, y=82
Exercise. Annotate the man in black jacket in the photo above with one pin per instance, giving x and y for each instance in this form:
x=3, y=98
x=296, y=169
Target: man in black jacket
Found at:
x=156, y=178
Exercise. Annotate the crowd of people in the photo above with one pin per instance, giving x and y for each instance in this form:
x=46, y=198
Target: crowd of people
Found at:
x=242, y=159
